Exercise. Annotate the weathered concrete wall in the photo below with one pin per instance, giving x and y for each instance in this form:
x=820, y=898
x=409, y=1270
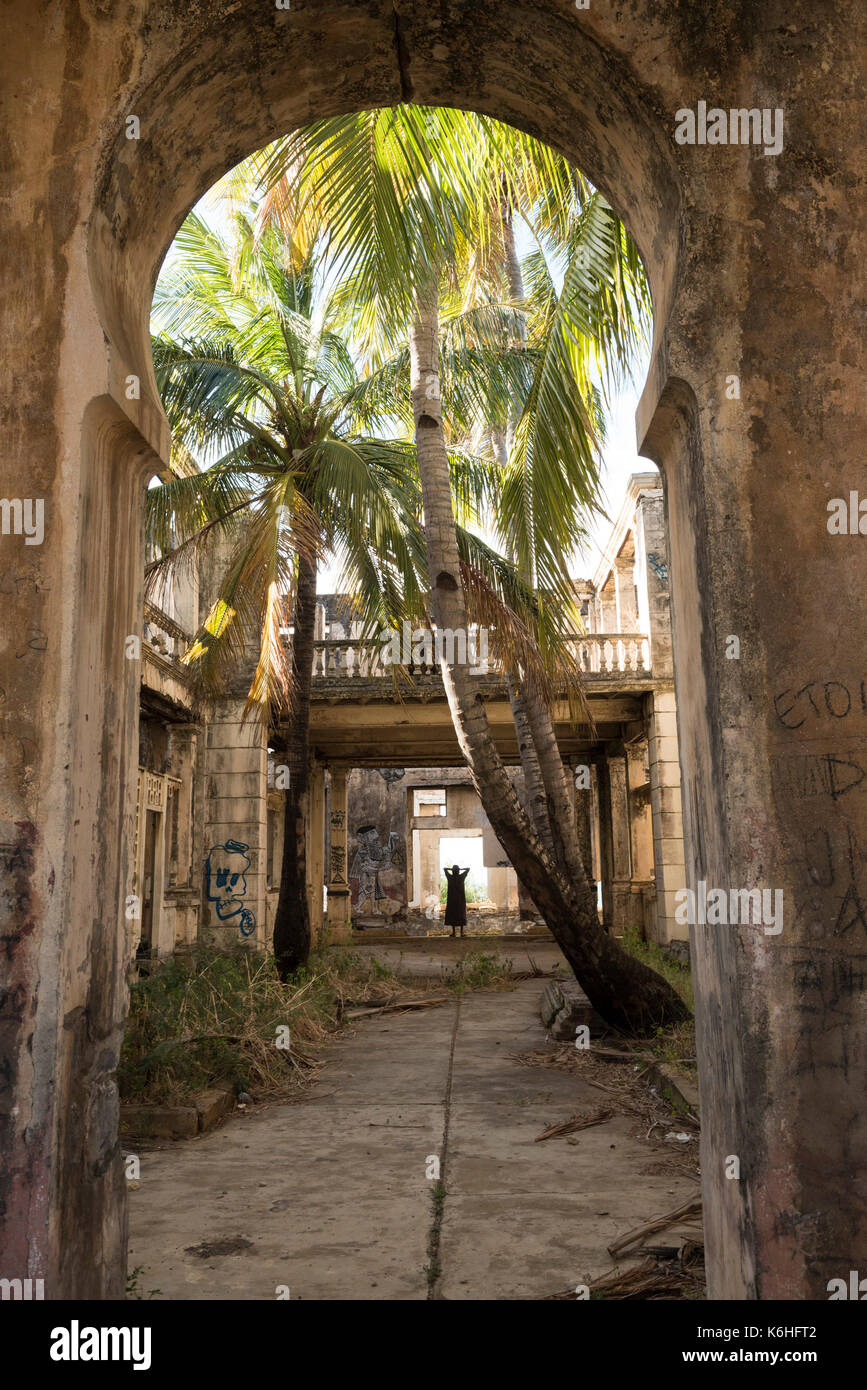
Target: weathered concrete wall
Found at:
x=235, y=828
x=376, y=845
x=394, y=854
x=756, y=266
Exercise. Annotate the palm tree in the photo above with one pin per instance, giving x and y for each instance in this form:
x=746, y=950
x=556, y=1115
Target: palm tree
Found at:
x=255, y=378
x=252, y=368
x=402, y=194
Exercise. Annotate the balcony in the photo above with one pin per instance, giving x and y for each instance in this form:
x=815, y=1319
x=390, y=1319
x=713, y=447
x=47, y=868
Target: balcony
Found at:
x=344, y=665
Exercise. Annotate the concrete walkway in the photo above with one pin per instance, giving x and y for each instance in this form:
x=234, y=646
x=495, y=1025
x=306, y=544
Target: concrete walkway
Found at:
x=330, y=1196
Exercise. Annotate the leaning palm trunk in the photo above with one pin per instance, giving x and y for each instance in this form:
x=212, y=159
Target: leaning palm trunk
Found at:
x=555, y=817
x=292, y=919
x=625, y=992
x=534, y=784
x=561, y=809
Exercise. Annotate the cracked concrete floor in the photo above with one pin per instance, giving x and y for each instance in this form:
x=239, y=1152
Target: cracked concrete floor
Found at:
x=330, y=1196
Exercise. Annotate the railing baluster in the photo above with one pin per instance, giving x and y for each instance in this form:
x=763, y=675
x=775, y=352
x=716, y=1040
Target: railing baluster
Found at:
x=596, y=654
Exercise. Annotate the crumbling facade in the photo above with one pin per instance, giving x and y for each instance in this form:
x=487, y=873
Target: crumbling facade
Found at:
x=209, y=818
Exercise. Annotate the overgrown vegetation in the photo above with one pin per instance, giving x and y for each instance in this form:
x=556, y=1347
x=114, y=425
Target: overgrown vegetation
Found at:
x=225, y=1018
x=675, y=1044
x=479, y=970
x=215, y=1017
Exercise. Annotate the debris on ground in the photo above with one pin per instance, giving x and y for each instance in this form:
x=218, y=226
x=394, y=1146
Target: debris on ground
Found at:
x=688, y=1212
x=658, y=1278
x=670, y=1270
x=577, y=1122
x=397, y=1006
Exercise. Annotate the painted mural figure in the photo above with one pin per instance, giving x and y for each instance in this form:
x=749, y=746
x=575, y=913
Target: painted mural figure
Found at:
x=371, y=858
x=226, y=883
x=456, y=898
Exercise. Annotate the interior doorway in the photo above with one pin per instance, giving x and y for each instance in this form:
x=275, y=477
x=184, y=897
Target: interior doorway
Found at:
x=467, y=851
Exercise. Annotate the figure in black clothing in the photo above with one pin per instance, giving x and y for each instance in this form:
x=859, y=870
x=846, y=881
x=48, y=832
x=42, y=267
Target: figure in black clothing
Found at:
x=456, y=898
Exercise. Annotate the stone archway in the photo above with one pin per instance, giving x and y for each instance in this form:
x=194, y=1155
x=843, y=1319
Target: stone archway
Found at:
x=753, y=263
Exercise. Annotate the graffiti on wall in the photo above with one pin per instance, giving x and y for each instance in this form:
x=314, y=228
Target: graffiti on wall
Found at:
x=390, y=775
x=226, y=884
x=370, y=865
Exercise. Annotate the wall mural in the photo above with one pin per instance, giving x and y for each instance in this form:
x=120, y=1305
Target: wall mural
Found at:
x=370, y=866
x=226, y=884
x=390, y=775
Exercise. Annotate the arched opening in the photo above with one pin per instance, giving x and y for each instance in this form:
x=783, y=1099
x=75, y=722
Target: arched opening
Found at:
x=208, y=87
x=643, y=188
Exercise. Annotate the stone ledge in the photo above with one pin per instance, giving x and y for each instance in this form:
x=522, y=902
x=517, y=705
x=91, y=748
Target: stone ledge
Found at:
x=159, y=1121
x=676, y=1087
x=564, y=1007
x=177, y=1121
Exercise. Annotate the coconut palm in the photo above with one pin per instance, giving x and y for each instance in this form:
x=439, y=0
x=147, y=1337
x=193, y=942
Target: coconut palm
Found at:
x=403, y=193
x=256, y=379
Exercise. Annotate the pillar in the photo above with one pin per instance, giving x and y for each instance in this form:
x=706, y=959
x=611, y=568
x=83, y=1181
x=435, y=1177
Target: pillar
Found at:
x=653, y=617
x=316, y=850
x=584, y=814
x=627, y=605
x=614, y=840
x=338, y=915
x=640, y=836
x=236, y=828
x=666, y=814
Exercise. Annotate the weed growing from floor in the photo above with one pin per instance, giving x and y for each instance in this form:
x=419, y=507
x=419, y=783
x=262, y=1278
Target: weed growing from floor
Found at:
x=675, y=1045
x=479, y=970
x=132, y=1285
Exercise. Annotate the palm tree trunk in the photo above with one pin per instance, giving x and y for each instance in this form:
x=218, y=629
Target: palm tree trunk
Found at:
x=625, y=992
x=559, y=812
x=292, y=918
x=561, y=808
x=534, y=785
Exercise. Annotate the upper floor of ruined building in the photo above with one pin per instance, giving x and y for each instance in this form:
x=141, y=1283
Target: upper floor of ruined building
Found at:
x=624, y=644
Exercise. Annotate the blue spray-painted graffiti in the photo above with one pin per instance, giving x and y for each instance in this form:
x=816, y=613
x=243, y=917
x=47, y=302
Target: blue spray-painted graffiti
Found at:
x=659, y=567
x=226, y=883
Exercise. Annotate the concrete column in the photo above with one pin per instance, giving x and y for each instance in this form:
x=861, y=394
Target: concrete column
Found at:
x=608, y=605
x=584, y=813
x=316, y=850
x=627, y=602
x=666, y=815
x=184, y=750
x=338, y=917
x=617, y=833
x=605, y=864
x=652, y=568
x=595, y=821
x=640, y=835
x=236, y=828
